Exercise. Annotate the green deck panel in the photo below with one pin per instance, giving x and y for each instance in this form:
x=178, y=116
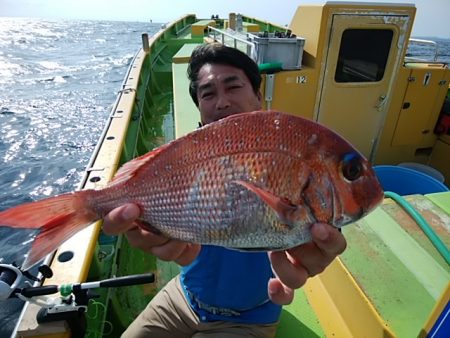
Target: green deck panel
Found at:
x=412, y=255
x=441, y=199
x=298, y=319
x=184, y=54
x=398, y=273
x=186, y=114
x=399, y=298
x=437, y=218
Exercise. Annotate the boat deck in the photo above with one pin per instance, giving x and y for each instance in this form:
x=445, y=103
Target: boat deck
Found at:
x=387, y=282
x=390, y=275
x=186, y=114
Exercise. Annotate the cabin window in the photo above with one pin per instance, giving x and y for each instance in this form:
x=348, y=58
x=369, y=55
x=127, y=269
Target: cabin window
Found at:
x=363, y=55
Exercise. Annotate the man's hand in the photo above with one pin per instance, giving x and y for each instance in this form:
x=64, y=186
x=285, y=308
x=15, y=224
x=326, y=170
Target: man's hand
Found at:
x=294, y=266
x=122, y=220
x=291, y=267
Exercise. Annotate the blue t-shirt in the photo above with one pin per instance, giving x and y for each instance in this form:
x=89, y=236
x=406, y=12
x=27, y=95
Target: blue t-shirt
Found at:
x=221, y=279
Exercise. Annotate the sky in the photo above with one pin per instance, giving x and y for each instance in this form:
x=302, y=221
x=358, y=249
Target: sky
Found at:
x=431, y=18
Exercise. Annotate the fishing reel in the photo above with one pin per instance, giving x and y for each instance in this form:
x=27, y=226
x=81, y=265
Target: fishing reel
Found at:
x=10, y=278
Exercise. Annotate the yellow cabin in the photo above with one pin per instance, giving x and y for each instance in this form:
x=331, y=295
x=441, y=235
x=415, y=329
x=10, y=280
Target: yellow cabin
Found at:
x=355, y=73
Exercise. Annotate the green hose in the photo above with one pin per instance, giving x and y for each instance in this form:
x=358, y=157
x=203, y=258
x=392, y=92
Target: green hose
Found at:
x=270, y=67
x=426, y=228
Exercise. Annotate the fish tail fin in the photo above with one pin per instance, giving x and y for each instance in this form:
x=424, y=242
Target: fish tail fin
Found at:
x=58, y=218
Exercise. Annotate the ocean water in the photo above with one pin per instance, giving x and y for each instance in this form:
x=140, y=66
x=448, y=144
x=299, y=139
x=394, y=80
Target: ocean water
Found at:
x=58, y=82
x=426, y=51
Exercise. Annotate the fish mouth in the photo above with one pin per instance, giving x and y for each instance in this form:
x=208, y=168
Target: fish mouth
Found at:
x=347, y=219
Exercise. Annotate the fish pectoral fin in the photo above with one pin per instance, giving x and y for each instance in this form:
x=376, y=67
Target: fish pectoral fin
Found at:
x=288, y=213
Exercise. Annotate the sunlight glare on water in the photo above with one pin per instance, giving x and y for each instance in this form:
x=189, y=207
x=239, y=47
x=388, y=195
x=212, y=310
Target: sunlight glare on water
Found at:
x=58, y=82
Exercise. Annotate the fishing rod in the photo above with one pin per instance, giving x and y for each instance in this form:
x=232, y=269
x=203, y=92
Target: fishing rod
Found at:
x=11, y=276
x=73, y=300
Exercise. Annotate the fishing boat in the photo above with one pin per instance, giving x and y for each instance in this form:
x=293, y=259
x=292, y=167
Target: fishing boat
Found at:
x=342, y=64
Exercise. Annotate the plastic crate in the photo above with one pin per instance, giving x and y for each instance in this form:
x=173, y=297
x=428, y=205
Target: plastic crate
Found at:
x=286, y=50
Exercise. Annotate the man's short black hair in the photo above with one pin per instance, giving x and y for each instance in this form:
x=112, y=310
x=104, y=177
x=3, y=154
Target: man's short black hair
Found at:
x=216, y=53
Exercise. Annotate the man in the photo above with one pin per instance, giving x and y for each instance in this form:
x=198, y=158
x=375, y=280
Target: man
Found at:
x=221, y=292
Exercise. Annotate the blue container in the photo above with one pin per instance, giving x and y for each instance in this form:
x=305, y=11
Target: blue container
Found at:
x=405, y=181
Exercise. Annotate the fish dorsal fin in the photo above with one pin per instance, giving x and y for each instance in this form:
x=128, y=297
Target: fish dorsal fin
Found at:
x=132, y=168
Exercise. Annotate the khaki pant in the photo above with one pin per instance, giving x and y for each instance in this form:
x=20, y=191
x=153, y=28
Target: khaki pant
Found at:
x=169, y=315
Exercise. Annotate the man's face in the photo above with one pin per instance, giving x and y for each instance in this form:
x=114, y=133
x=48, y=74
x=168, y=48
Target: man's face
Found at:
x=223, y=91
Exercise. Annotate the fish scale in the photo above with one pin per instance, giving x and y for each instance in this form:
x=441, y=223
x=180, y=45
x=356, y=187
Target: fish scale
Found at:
x=251, y=181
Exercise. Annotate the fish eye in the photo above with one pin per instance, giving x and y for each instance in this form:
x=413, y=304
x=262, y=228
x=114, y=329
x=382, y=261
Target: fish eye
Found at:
x=351, y=166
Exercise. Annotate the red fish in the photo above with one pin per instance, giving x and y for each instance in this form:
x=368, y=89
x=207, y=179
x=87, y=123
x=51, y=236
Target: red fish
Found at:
x=252, y=181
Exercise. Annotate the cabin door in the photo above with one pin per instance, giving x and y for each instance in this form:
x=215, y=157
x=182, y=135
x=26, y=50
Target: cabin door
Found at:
x=362, y=58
